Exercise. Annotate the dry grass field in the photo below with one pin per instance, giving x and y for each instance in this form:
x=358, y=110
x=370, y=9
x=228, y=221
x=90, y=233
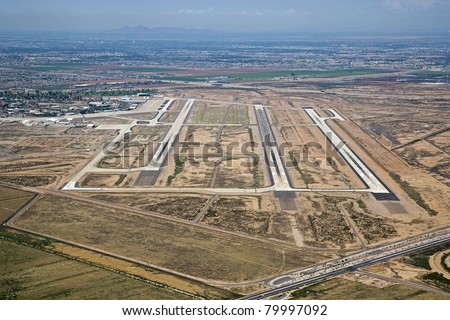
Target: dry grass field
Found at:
x=44, y=155
x=340, y=220
x=11, y=200
x=29, y=273
x=199, y=252
x=224, y=157
x=40, y=255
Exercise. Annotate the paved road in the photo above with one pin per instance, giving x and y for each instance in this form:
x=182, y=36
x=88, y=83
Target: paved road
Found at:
x=317, y=273
x=205, y=209
x=435, y=262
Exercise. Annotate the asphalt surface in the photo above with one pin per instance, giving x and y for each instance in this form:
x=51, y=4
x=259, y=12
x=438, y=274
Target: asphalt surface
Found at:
x=321, y=272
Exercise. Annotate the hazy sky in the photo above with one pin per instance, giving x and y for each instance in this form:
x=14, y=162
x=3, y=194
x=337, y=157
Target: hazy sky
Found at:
x=233, y=15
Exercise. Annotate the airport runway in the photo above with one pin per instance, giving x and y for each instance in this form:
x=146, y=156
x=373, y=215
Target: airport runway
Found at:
x=273, y=158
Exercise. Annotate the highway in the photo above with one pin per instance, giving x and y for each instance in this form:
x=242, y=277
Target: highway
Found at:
x=330, y=269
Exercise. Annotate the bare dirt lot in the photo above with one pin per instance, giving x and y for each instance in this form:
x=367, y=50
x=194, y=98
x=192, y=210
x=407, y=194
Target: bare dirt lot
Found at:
x=28, y=180
x=424, y=154
x=343, y=220
x=45, y=155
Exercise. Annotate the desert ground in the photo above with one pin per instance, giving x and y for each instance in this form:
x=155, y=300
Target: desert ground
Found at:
x=212, y=213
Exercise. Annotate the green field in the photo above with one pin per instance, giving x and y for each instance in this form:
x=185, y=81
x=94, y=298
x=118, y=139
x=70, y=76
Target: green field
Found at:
x=278, y=74
x=233, y=114
x=431, y=73
x=73, y=66
x=342, y=289
x=11, y=200
x=187, y=249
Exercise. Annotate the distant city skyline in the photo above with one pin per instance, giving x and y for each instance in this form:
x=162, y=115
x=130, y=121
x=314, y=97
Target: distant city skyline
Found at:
x=308, y=16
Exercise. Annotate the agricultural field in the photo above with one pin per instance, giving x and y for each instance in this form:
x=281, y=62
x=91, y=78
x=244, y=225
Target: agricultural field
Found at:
x=273, y=74
x=183, y=248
